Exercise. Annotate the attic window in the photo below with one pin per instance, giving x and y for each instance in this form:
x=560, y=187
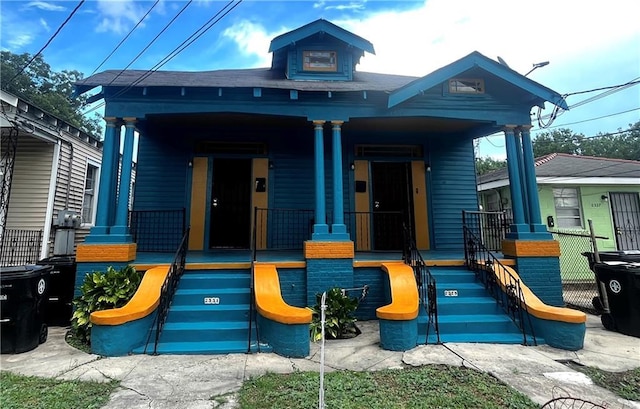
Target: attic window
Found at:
x=466, y=86
x=322, y=61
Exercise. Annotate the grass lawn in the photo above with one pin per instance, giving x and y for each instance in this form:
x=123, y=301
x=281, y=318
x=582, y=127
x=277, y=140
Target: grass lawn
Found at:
x=18, y=392
x=433, y=386
x=625, y=384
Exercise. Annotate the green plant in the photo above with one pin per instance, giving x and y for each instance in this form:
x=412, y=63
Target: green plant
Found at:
x=339, y=319
x=30, y=392
x=102, y=291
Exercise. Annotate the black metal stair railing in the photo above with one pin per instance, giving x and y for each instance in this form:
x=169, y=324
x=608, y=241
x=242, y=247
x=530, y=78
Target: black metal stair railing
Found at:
x=501, y=284
x=491, y=227
x=158, y=231
x=169, y=286
x=258, y=215
x=425, y=280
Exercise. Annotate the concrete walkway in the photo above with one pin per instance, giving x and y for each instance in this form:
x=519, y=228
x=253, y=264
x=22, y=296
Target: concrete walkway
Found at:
x=190, y=381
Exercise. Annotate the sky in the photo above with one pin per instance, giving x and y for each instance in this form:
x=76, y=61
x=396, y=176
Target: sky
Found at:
x=589, y=43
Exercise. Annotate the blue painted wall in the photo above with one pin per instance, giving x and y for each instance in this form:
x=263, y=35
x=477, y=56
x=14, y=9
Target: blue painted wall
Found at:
x=452, y=182
x=293, y=286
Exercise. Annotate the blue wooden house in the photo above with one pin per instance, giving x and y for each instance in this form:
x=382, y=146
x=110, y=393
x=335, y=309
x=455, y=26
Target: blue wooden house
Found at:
x=289, y=180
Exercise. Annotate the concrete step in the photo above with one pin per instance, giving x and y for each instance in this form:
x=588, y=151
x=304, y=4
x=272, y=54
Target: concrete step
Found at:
x=467, y=305
x=205, y=331
x=214, y=279
x=490, y=338
x=212, y=313
x=207, y=296
x=479, y=324
x=461, y=290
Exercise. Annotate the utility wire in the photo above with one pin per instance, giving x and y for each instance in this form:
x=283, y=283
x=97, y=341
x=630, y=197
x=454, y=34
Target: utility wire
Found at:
x=48, y=42
x=126, y=37
x=186, y=43
x=152, y=41
x=591, y=119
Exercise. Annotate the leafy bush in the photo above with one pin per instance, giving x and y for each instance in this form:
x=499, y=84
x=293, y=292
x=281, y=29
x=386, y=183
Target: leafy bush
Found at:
x=102, y=291
x=339, y=319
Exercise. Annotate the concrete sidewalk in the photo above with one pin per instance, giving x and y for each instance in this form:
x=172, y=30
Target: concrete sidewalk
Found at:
x=190, y=381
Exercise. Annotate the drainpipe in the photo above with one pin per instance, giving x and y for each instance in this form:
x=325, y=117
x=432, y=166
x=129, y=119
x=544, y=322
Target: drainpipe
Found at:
x=69, y=173
x=46, y=233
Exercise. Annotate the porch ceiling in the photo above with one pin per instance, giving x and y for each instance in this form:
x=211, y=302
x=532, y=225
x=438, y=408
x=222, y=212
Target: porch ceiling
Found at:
x=226, y=120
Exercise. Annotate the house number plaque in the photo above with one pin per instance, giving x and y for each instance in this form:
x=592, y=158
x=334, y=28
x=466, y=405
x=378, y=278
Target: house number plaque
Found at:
x=450, y=293
x=211, y=300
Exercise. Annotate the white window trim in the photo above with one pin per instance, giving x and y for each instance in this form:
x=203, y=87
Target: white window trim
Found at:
x=96, y=190
x=579, y=206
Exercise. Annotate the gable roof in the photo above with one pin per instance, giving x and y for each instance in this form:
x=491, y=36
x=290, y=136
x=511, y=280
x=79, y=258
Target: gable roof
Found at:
x=475, y=59
x=563, y=165
x=320, y=26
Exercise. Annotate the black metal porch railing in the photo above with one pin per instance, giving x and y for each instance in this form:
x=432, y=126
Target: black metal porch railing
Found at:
x=376, y=231
x=282, y=229
x=490, y=227
x=20, y=247
x=157, y=230
x=169, y=286
x=504, y=287
x=426, y=282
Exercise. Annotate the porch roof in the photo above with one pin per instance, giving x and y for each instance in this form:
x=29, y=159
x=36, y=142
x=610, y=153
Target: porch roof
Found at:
x=239, y=78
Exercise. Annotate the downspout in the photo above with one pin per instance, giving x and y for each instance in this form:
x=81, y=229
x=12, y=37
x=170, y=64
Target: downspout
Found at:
x=48, y=220
x=68, y=192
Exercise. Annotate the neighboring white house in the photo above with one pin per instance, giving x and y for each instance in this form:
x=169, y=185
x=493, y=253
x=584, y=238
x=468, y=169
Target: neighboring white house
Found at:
x=50, y=172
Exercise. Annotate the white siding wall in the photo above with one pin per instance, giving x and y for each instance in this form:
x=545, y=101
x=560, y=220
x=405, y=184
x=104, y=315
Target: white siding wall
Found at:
x=30, y=184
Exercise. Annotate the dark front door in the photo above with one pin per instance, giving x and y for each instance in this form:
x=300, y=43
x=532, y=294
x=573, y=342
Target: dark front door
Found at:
x=625, y=208
x=391, y=191
x=230, y=203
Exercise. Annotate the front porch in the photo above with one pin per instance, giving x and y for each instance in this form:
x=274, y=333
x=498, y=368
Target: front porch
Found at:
x=241, y=259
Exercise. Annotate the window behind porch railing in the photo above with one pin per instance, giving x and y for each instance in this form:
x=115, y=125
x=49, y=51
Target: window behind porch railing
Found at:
x=20, y=247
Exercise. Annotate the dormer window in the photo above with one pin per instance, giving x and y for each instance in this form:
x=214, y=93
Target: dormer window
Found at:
x=320, y=61
x=466, y=86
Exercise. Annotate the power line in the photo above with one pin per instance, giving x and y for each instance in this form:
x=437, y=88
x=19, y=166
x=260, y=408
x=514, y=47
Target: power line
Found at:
x=186, y=43
x=152, y=41
x=126, y=37
x=48, y=42
x=626, y=84
x=591, y=119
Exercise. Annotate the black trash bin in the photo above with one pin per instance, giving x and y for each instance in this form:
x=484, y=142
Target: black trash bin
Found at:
x=23, y=302
x=61, y=288
x=631, y=256
x=622, y=283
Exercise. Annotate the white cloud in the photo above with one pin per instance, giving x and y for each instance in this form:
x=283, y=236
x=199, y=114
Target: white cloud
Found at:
x=44, y=24
x=118, y=16
x=19, y=41
x=43, y=5
x=354, y=6
x=253, y=40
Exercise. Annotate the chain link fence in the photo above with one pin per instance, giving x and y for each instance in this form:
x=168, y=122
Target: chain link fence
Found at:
x=579, y=285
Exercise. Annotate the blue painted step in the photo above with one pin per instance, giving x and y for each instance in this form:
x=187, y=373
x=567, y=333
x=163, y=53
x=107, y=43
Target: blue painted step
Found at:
x=467, y=312
x=209, y=314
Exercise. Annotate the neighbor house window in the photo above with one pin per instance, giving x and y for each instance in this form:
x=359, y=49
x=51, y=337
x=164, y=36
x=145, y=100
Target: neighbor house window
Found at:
x=466, y=86
x=567, y=204
x=325, y=61
x=90, y=197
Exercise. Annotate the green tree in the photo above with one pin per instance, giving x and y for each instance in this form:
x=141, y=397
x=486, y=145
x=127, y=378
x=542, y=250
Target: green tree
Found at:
x=624, y=144
x=488, y=164
x=49, y=90
x=561, y=140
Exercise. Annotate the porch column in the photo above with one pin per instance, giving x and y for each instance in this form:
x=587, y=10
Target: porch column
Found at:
x=122, y=212
x=108, y=178
x=535, y=219
x=515, y=184
x=338, y=229
x=523, y=186
x=320, y=227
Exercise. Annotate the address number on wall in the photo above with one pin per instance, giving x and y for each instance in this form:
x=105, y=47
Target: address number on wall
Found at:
x=450, y=293
x=211, y=300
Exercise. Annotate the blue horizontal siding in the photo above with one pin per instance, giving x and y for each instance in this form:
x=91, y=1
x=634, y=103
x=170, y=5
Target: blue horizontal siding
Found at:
x=161, y=175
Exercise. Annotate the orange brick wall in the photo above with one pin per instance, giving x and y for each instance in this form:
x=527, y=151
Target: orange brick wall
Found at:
x=328, y=249
x=531, y=248
x=106, y=252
